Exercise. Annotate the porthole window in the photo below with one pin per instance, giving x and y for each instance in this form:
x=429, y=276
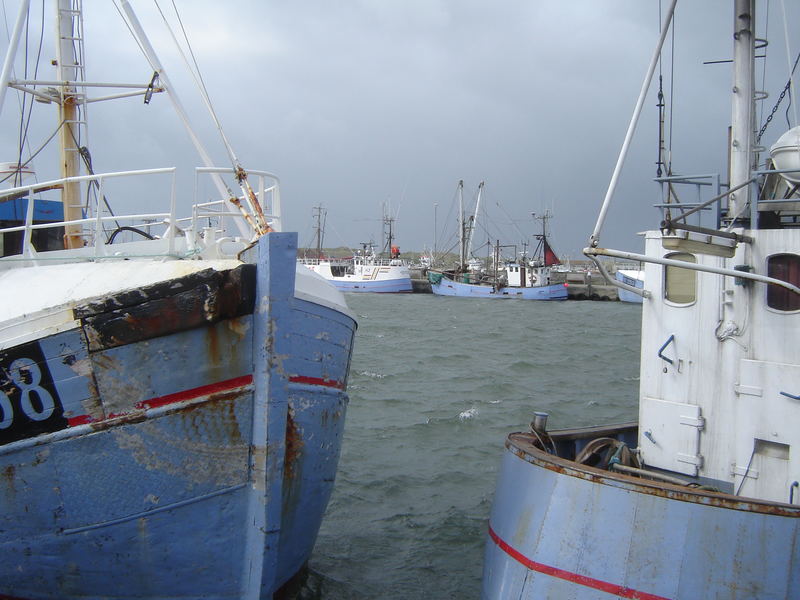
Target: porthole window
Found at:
x=785, y=267
x=680, y=285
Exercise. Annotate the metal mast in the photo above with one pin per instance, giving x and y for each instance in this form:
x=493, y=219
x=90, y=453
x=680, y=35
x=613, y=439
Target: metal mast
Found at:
x=388, y=230
x=742, y=114
x=320, y=228
x=474, y=219
x=70, y=71
x=461, y=224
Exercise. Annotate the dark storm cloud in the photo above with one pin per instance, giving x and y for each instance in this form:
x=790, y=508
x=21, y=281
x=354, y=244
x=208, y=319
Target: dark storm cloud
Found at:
x=355, y=104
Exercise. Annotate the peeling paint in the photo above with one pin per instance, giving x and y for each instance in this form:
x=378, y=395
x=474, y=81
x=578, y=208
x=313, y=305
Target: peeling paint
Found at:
x=199, y=444
x=239, y=326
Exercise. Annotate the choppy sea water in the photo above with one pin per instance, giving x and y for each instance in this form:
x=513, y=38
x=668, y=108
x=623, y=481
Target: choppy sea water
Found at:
x=435, y=386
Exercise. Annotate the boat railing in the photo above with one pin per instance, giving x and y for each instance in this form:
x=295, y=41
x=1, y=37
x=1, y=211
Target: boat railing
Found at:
x=93, y=226
x=377, y=262
x=100, y=225
x=332, y=260
x=725, y=239
x=682, y=207
x=267, y=195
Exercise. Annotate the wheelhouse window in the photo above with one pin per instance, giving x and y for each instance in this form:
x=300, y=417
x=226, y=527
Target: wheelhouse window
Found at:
x=785, y=267
x=680, y=285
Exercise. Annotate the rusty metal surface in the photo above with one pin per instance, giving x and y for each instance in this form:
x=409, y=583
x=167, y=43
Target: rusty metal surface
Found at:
x=181, y=304
x=523, y=446
x=144, y=470
x=294, y=446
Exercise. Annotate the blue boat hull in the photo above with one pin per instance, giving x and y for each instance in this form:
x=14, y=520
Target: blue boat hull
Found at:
x=628, y=296
x=563, y=530
x=448, y=287
x=174, y=454
x=387, y=286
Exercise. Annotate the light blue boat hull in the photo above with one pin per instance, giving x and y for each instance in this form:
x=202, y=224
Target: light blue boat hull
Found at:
x=562, y=530
x=448, y=287
x=628, y=296
x=389, y=286
x=171, y=448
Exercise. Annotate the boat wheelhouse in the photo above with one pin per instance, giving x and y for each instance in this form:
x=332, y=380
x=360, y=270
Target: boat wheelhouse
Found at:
x=699, y=498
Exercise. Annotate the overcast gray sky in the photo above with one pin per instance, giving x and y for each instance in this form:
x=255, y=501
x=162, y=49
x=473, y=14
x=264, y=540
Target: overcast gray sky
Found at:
x=359, y=103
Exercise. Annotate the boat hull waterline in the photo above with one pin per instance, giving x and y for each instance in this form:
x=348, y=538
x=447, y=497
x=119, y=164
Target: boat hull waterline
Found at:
x=140, y=447
x=380, y=286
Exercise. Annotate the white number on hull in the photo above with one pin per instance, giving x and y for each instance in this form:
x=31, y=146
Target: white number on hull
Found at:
x=6, y=410
x=26, y=366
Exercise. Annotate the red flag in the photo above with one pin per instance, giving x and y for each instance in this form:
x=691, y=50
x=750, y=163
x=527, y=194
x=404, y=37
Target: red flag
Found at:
x=550, y=257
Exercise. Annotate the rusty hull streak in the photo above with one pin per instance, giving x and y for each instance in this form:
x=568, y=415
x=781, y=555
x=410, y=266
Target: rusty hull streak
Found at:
x=294, y=446
x=212, y=341
x=522, y=445
x=9, y=476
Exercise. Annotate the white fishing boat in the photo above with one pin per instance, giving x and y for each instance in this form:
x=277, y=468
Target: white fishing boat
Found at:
x=632, y=278
x=523, y=277
x=172, y=388
x=365, y=271
x=701, y=497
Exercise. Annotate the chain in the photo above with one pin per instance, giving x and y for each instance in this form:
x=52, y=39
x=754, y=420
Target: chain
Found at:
x=778, y=103
x=772, y=114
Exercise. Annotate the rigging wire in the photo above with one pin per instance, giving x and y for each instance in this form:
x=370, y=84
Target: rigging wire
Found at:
x=42, y=147
x=198, y=78
x=134, y=36
x=25, y=121
x=86, y=156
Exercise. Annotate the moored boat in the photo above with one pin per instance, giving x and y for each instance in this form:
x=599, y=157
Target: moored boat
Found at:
x=364, y=271
x=522, y=277
x=173, y=389
x=700, y=498
x=634, y=278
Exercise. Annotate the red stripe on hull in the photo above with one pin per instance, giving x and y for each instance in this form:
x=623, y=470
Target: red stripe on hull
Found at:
x=317, y=381
x=604, y=586
x=205, y=390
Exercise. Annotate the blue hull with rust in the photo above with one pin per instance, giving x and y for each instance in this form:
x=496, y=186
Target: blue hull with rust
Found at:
x=559, y=529
x=174, y=445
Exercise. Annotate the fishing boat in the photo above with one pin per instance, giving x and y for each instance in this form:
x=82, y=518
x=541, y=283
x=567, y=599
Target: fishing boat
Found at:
x=631, y=277
x=365, y=271
x=700, y=497
x=173, y=388
x=523, y=277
